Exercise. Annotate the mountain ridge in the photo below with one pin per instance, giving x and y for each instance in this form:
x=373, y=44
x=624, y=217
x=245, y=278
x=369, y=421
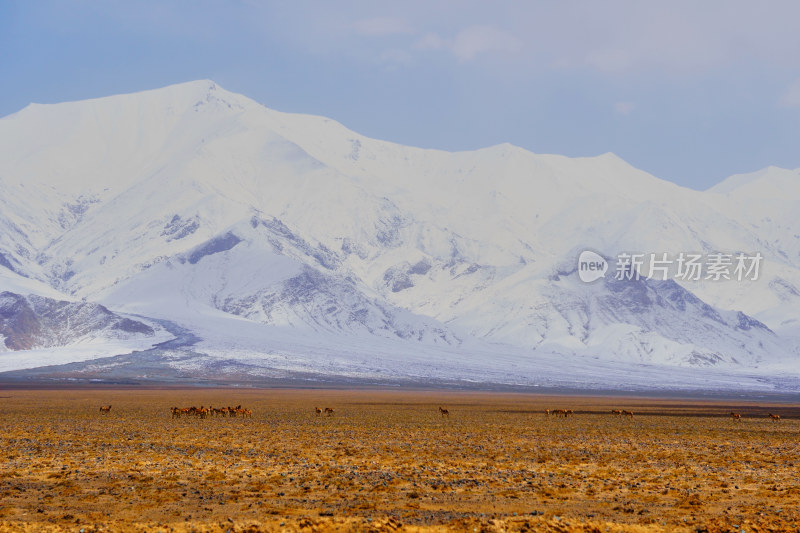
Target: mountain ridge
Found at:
x=371, y=238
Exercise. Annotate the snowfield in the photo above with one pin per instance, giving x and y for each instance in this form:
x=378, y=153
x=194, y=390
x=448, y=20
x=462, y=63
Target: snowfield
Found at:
x=288, y=244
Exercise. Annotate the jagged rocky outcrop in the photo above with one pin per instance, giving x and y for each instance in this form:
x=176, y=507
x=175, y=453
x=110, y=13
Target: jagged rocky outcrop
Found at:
x=32, y=321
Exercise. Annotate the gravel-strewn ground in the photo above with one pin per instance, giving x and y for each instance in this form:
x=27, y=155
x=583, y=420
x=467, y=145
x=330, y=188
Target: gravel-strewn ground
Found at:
x=388, y=461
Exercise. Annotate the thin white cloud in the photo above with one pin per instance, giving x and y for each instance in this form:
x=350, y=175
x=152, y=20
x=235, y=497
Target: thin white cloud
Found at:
x=475, y=40
x=430, y=41
x=470, y=42
x=617, y=37
x=671, y=37
x=380, y=26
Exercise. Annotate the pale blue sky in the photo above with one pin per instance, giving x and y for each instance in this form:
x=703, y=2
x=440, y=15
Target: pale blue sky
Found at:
x=689, y=91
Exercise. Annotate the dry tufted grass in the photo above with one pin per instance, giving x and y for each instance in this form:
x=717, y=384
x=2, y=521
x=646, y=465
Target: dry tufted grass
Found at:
x=388, y=461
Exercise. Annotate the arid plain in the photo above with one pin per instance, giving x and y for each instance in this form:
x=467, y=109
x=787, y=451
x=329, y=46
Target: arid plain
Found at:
x=391, y=461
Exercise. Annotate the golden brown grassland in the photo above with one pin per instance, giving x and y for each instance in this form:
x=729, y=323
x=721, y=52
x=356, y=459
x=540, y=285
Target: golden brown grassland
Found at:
x=387, y=460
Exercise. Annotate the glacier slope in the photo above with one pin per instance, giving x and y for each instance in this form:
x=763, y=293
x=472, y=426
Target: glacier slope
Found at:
x=196, y=205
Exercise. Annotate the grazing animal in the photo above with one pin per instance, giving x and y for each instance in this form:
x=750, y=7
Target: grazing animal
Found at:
x=560, y=412
x=547, y=412
x=568, y=412
x=629, y=414
x=444, y=412
x=318, y=411
x=105, y=408
x=617, y=412
x=736, y=416
x=329, y=411
x=775, y=418
x=236, y=411
x=205, y=412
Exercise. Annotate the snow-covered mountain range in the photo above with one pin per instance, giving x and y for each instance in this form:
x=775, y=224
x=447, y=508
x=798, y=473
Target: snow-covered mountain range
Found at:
x=288, y=244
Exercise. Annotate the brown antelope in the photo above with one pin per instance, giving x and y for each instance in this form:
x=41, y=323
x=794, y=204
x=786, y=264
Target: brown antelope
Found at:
x=318, y=411
x=547, y=412
x=568, y=412
x=736, y=416
x=560, y=412
x=236, y=411
x=775, y=418
x=444, y=412
x=617, y=412
x=105, y=408
x=329, y=411
x=629, y=414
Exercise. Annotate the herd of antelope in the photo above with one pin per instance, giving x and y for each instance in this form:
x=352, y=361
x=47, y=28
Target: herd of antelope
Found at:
x=205, y=412
x=239, y=411
x=559, y=412
x=773, y=417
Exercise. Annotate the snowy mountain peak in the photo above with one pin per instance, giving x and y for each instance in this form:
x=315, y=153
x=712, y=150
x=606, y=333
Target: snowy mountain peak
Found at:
x=292, y=238
x=771, y=178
